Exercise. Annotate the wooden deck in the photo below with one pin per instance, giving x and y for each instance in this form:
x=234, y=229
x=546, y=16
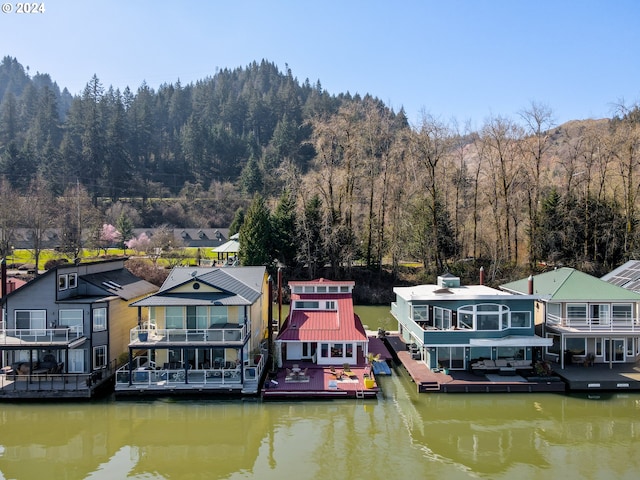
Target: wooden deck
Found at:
x=53, y=386
x=428, y=381
x=319, y=383
x=601, y=377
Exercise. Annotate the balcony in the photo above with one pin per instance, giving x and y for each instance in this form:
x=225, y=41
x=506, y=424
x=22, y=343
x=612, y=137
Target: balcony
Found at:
x=64, y=335
x=587, y=324
x=221, y=375
x=229, y=334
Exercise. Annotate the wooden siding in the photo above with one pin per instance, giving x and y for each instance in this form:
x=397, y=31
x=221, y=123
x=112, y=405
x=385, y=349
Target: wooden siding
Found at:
x=121, y=319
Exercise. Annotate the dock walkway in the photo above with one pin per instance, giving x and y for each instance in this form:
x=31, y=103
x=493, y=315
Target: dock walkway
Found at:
x=428, y=381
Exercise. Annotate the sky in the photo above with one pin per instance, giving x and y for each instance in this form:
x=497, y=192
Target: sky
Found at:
x=462, y=61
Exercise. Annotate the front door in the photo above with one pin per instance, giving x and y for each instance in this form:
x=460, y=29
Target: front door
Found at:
x=614, y=350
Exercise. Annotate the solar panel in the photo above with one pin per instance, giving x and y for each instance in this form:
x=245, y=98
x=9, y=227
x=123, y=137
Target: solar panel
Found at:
x=626, y=276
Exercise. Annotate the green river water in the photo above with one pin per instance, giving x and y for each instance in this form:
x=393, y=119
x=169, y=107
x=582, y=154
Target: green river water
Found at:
x=400, y=435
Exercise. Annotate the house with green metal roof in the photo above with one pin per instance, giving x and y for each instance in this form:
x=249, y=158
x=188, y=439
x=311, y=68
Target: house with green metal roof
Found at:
x=588, y=319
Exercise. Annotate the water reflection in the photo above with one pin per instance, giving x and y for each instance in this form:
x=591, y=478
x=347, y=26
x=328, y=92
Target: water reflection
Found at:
x=499, y=436
x=401, y=435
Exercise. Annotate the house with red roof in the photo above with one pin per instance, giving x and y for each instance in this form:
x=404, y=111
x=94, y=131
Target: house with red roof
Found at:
x=322, y=327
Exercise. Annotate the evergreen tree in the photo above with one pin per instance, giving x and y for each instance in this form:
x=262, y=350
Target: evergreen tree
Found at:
x=238, y=221
x=255, y=235
x=284, y=226
x=125, y=226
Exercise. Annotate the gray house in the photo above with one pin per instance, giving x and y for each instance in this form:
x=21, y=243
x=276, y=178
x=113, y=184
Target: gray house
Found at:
x=63, y=332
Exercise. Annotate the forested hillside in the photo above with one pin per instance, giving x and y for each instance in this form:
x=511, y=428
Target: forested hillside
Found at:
x=312, y=179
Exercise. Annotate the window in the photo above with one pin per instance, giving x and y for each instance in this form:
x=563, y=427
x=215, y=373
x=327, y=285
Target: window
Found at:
x=297, y=289
x=321, y=289
x=577, y=346
x=324, y=350
x=554, y=313
x=333, y=289
x=577, y=312
x=308, y=289
x=174, y=317
x=99, y=319
x=219, y=315
x=72, y=319
x=555, y=347
x=34, y=321
x=621, y=312
x=465, y=321
x=488, y=322
x=344, y=289
x=441, y=318
x=99, y=357
x=331, y=305
x=520, y=320
x=300, y=304
x=202, y=317
x=73, y=280
x=420, y=313
x=484, y=316
x=63, y=282
x=336, y=350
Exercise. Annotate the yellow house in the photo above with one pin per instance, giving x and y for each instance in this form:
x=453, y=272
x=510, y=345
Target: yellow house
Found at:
x=204, y=330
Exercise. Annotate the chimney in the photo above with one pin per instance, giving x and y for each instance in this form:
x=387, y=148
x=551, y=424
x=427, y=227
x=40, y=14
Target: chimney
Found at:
x=530, y=281
x=481, y=275
x=3, y=276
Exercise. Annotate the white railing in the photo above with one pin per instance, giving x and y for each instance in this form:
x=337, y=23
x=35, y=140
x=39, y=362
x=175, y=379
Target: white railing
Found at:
x=228, y=373
x=173, y=377
x=54, y=335
x=179, y=335
x=595, y=324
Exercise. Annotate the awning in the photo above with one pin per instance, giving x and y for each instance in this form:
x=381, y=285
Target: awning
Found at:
x=512, y=341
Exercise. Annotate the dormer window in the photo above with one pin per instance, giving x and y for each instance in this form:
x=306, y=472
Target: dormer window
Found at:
x=63, y=282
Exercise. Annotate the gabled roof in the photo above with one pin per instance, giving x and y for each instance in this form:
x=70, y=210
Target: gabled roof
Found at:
x=340, y=325
x=233, y=285
x=567, y=284
x=121, y=283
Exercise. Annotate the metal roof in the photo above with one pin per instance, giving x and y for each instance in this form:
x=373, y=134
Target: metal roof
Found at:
x=238, y=285
x=340, y=325
x=625, y=276
x=566, y=284
x=121, y=283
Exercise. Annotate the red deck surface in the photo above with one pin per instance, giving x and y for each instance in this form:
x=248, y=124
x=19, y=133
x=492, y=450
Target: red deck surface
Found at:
x=318, y=385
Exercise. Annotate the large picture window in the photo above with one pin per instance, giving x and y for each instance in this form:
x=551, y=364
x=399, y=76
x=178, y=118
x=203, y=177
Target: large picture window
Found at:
x=484, y=316
x=174, y=317
x=520, y=320
x=33, y=321
x=71, y=319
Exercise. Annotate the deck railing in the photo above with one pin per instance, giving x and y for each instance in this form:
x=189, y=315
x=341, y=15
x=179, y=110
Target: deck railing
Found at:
x=56, y=335
x=225, y=335
x=589, y=324
x=55, y=382
x=227, y=374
